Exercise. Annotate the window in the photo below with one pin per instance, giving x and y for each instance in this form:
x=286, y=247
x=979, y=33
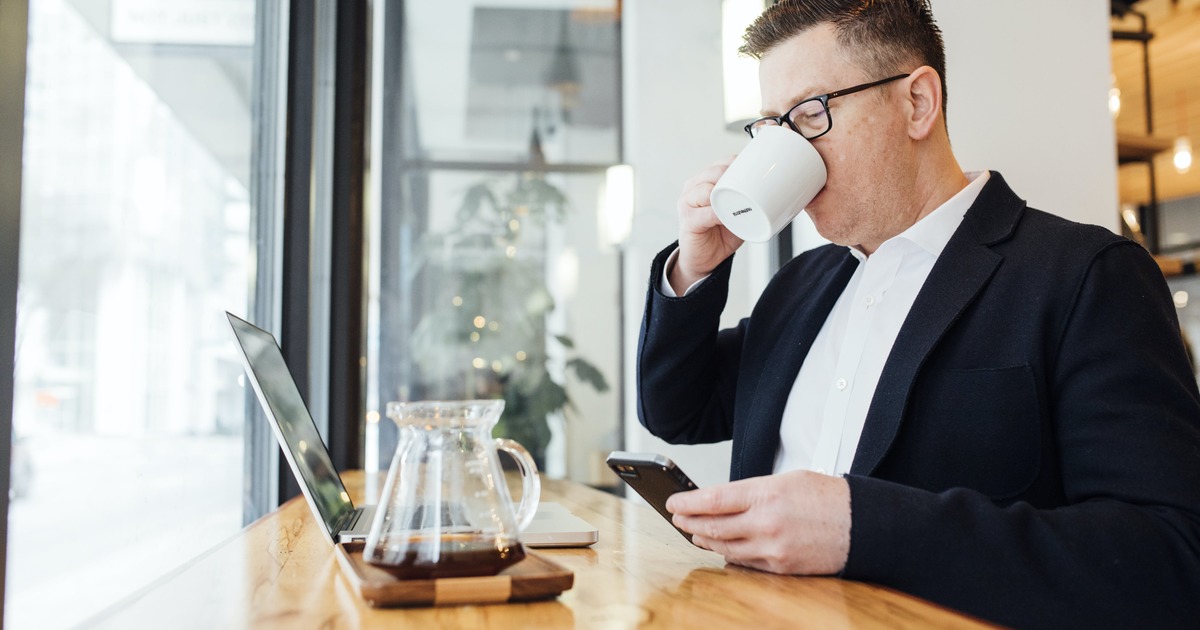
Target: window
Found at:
x=490, y=277
x=129, y=408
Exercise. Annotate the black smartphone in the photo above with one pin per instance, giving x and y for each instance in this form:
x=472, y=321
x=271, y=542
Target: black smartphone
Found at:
x=653, y=476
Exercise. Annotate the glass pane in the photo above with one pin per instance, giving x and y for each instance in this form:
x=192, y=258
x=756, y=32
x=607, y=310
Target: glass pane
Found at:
x=1179, y=225
x=1185, y=291
x=486, y=75
x=491, y=274
x=506, y=291
x=128, y=412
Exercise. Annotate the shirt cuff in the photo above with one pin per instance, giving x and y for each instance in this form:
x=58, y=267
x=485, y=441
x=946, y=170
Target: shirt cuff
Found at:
x=665, y=285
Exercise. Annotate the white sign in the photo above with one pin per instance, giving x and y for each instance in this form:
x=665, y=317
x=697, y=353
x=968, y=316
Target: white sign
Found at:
x=199, y=22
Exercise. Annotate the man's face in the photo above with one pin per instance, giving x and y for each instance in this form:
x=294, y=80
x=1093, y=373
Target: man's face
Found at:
x=867, y=153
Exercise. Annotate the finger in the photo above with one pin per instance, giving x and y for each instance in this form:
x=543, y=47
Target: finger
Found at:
x=740, y=552
x=731, y=550
x=710, y=174
x=697, y=195
x=729, y=498
x=699, y=221
x=724, y=527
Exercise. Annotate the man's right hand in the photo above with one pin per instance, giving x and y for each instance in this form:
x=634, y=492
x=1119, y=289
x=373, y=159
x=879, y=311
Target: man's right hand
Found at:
x=704, y=242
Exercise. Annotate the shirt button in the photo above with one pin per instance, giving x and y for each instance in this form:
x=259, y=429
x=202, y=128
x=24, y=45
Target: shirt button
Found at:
x=820, y=471
x=870, y=300
x=841, y=383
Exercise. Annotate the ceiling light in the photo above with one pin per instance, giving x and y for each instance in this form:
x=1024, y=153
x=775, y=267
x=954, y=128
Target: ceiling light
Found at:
x=1183, y=154
x=567, y=272
x=616, y=205
x=1114, y=98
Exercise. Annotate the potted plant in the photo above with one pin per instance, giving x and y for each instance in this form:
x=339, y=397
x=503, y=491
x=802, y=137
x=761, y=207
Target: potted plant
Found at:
x=485, y=333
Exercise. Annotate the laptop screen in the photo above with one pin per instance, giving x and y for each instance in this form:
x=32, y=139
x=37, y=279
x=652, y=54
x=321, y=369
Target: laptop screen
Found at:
x=294, y=426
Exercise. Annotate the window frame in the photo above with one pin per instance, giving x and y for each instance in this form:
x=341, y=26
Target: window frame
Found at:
x=310, y=157
x=14, y=20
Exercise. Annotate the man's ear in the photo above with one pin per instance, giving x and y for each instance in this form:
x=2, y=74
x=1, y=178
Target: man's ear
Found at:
x=924, y=96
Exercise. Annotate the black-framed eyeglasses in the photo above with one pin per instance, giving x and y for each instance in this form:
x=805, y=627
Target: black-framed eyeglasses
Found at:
x=810, y=117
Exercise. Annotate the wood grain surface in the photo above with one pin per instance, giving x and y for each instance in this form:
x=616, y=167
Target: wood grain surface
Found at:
x=282, y=572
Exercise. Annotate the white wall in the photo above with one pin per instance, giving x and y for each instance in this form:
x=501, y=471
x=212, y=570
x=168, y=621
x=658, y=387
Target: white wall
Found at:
x=1028, y=88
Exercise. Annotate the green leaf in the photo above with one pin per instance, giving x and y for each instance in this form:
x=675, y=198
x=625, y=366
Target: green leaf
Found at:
x=472, y=201
x=589, y=374
x=550, y=396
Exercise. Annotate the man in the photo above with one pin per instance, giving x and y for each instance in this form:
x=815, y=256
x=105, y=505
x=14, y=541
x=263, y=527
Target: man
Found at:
x=962, y=398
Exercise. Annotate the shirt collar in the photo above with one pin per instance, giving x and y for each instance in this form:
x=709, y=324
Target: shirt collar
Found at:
x=933, y=231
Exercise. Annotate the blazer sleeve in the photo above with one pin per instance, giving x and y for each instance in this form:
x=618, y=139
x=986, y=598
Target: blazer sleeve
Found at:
x=687, y=368
x=1125, y=549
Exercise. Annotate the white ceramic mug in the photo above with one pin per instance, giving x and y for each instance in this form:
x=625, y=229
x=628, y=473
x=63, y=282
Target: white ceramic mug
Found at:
x=768, y=184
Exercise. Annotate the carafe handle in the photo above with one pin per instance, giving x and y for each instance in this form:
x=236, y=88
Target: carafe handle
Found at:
x=531, y=484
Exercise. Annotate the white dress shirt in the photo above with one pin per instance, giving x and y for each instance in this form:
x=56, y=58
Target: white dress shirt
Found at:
x=825, y=411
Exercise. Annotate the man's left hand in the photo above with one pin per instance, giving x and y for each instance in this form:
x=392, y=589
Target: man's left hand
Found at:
x=792, y=523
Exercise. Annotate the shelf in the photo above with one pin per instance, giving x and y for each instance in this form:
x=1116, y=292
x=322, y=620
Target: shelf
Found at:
x=1139, y=148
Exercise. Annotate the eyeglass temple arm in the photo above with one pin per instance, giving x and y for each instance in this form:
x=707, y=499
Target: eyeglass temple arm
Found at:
x=865, y=86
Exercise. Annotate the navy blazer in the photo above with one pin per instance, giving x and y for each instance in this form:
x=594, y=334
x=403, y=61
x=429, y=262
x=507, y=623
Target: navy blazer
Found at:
x=1032, y=451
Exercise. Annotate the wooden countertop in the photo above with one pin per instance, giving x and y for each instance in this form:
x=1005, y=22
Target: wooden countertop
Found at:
x=281, y=572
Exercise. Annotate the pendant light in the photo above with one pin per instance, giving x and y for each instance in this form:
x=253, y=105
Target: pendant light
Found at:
x=1183, y=144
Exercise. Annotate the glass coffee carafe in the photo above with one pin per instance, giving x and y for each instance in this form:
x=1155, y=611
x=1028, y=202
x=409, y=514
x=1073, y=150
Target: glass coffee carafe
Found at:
x=445, y=510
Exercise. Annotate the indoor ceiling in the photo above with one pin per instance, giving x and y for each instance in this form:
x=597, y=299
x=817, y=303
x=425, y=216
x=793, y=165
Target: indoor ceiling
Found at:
x=521, y=54
x=1175, y=92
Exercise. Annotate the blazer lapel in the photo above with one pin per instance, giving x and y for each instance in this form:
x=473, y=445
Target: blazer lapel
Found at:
x=757, y=440
x=962, y=270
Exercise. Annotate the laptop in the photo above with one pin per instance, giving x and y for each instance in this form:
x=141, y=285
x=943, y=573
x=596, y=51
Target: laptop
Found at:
x=553, y=525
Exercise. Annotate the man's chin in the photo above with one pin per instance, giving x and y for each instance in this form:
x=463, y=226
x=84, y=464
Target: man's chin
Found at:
x=829, y=233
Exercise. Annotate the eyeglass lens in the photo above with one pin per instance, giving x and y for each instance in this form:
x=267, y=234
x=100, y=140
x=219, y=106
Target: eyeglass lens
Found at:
x=809, y=118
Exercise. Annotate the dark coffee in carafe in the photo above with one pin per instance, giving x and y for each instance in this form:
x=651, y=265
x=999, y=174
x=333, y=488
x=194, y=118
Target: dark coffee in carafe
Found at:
x=456, y=555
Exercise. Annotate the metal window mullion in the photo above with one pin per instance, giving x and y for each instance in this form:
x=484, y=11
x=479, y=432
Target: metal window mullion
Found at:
x=346, y=307
x=321, y=213
x=267, y=193
x=399, y=226
x=294, y=270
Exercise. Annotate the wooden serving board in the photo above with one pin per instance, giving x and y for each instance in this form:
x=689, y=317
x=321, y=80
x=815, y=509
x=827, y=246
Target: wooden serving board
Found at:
x=533, y=578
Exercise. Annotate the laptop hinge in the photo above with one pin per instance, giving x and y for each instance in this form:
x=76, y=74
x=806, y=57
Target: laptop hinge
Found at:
x=347, y=521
